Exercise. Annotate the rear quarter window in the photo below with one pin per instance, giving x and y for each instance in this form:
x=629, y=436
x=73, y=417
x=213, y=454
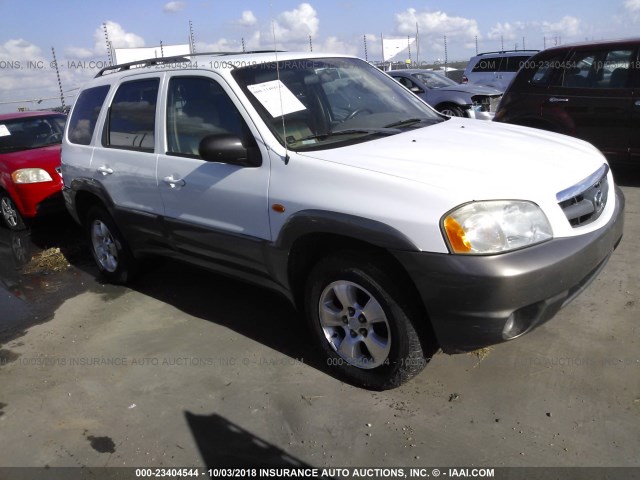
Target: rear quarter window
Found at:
x=85, y=114
x=512, y=64
x=489, y=64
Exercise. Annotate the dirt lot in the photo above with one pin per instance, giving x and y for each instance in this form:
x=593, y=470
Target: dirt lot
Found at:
x=186, y=368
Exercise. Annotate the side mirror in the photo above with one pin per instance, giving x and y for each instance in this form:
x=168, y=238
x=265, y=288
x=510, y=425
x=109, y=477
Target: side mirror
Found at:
x=416, y=90
x=227, y=148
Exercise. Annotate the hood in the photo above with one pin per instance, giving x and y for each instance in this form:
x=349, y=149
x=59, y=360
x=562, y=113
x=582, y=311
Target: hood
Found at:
x=471, y=89
x=47, y=158
x=480, y=159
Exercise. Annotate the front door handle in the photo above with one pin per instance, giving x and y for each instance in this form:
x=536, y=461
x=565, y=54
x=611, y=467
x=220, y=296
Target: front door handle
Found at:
x=104, y=170
x=557, y=100
x=174, y=182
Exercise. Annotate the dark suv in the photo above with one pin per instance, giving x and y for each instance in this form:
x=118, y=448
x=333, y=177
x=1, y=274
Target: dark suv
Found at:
x=587, y=90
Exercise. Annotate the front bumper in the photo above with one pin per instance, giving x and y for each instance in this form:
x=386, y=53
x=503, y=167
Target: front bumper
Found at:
x=476, y=301
x=478, y=115
x=33, y=199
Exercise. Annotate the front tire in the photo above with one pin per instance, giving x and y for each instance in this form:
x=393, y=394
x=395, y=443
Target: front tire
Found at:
x=109, y=248
x=10, y=215
x=451, y=110
x=362, y=321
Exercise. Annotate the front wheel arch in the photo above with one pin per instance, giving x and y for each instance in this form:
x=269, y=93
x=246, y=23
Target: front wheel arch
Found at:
x=407, y=337
x=451, y=109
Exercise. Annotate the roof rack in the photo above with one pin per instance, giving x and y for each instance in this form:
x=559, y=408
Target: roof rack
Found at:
x=507, y=51
x=175, y=59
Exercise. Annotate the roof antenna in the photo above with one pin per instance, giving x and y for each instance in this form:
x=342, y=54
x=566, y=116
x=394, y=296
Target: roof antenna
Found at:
x=275, y=49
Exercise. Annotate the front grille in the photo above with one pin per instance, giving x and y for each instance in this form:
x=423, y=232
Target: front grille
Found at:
x=584, y=202
x=483, y=103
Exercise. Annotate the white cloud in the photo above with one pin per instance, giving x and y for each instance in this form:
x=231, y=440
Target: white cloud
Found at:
x=335, y=45
x=19, y=49
x=27, y=75
x=507, y=31
x=173, y=7
x=248, y=19
x=436, y=24
x=118, y=37
x=295, y=26
x=632, y=5
x=567, y=26
x=433, y=26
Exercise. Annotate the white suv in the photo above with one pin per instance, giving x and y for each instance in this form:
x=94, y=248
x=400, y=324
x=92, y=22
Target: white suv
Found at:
x=392, y=227
x=495, y=69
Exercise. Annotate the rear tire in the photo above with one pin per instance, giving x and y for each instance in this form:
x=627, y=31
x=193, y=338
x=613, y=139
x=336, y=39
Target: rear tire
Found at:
x=363, y=321
x=109, y=248
x=10, y=215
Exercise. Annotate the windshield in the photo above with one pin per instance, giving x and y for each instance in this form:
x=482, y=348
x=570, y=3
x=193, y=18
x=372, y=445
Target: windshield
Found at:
x=330, y=102
x=31, y=132
x=434, y=80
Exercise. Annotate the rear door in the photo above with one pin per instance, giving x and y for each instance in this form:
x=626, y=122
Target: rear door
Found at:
x=126, y=166
x=593, y=97
x=213, y=210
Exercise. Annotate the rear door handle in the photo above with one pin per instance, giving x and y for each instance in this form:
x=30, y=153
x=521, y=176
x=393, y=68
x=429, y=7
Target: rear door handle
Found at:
x=104, y=170
x=173, y=182
x=557, y=100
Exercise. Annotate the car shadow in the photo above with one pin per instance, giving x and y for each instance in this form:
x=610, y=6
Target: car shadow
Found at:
x=223, y=444
x=254, y=312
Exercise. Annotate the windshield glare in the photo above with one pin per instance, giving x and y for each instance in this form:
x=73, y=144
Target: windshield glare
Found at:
x=330, y=102
x=31, y=132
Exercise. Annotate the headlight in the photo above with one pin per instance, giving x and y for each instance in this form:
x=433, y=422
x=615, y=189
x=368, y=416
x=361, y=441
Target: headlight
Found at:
x=30, y=175
x=481, y=228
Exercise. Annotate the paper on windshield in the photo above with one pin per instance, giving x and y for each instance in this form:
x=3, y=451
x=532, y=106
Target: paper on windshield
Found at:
x=276, y=98
x=4, y=131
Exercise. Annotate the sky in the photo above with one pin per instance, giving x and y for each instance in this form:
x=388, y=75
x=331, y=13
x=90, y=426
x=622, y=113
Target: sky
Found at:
x=75, y=29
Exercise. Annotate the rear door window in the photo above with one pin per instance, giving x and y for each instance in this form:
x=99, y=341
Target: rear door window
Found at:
x=132, y=116
x=604, y=69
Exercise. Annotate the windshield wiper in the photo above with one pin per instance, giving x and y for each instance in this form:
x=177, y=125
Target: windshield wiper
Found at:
x=410, y=121
x=366, y=131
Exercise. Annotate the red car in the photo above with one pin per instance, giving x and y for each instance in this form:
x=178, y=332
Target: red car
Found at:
x=30, y=182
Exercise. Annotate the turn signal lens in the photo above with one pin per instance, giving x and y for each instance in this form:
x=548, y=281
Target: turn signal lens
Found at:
x=457, y=237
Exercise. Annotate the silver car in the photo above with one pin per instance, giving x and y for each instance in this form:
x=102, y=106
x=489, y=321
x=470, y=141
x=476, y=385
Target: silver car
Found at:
x=449, y=97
